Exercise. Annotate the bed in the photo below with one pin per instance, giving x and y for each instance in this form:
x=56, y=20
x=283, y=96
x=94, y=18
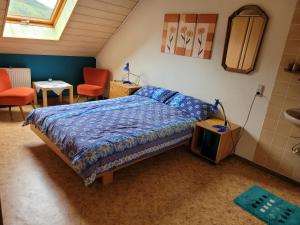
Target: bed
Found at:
x=96, y=138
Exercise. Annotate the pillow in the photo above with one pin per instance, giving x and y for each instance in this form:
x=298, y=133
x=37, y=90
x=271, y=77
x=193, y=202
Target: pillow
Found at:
x=193, y=106
x=162, y=94
x=157, y=93
x=146, y=91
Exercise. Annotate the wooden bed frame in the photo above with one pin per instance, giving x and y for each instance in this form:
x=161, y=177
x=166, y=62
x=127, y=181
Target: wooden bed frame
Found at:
x=107, y=177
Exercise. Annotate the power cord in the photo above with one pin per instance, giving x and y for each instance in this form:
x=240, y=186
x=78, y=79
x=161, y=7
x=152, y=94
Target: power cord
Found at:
x=248, y=116
x=295, y=148
x=243, y=127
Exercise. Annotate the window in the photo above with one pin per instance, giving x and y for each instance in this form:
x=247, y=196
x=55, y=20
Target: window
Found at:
x=37, y=19
x=35, y=12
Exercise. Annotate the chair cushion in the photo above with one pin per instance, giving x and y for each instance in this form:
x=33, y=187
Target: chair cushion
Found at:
x=17, y=96
x=90, y=90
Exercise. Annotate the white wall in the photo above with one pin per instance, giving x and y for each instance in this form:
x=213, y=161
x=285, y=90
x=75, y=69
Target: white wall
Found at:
x=138, y=41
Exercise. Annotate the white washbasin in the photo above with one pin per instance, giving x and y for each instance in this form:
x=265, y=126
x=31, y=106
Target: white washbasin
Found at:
x=293, y=116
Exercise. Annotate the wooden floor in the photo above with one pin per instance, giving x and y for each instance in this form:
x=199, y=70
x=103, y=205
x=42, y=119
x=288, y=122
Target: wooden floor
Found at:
x=37, y=188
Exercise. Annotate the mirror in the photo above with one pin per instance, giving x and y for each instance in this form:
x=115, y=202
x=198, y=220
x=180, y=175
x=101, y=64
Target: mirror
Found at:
x=245, y=31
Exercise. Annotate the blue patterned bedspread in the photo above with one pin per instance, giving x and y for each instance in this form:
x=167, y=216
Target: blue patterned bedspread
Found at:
x=88, y=133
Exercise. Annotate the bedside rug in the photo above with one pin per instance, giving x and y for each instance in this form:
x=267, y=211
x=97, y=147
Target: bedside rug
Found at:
x=268, y=207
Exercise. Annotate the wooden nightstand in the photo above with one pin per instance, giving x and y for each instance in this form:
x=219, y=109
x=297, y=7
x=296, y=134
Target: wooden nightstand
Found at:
x=118, y=89
x=211, y=144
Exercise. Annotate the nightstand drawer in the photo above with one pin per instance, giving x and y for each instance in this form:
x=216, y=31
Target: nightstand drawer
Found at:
x=118, y=89
x=116, y=92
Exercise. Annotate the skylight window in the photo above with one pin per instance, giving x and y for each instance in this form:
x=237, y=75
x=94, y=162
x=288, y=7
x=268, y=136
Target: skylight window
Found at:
x=34, y=12
x=37, y=19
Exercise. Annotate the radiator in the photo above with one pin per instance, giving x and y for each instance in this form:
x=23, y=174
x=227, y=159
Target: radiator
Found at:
x=20, y=77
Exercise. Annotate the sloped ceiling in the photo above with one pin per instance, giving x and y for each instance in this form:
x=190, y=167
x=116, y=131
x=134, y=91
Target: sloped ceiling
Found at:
x=92, y=23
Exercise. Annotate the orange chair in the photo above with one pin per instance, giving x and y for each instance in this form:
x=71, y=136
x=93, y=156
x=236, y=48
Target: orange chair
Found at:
x=95, y=82
x=14, y=96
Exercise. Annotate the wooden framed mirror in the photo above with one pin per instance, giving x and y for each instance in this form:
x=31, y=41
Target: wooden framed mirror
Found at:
x=245, y=31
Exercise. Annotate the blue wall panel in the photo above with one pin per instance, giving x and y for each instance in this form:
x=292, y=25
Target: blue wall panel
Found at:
x=66, y=68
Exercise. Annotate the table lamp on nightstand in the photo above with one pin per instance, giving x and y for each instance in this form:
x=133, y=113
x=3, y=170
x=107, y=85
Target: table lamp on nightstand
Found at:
x=128, y=73
x=221, y=128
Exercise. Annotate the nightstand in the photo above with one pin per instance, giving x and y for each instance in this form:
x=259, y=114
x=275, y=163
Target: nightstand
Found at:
x=211, y=144
x=118, y=89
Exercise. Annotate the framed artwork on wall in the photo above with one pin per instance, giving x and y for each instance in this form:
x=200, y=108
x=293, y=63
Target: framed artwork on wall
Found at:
x=170, y=33
x=189, y=34
x=204, y=35
x=186, y=34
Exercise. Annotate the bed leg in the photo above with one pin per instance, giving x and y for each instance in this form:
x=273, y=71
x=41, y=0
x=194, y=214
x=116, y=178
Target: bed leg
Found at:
x=107, y=178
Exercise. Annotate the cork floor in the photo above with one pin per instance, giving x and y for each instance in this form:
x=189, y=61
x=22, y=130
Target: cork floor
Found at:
x=37, y=188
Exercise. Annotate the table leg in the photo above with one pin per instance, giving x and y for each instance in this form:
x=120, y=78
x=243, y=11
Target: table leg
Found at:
x=35, y=98
x=71, y=94
x=45, y=102
x=35, y=95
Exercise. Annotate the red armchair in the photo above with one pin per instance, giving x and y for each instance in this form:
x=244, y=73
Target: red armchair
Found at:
x=95, y=81
x=14, y=96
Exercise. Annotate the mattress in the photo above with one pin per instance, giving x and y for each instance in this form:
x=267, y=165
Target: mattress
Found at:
x=99, y=136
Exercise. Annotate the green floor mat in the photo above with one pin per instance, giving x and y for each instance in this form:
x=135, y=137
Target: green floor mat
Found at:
x=268, y=207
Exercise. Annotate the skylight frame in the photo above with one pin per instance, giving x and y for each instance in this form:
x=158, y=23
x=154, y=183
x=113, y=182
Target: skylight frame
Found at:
x=39, y=22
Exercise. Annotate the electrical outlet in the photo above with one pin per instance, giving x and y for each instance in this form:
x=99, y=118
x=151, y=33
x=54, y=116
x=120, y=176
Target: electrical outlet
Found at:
x=260, y=90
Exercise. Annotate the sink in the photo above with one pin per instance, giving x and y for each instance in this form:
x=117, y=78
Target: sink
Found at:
x=293, y=116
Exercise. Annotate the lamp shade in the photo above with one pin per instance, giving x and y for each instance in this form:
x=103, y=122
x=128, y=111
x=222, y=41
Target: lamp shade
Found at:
x=126, y=67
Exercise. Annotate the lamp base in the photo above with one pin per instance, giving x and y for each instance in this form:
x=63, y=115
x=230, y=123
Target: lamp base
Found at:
x=220, y=128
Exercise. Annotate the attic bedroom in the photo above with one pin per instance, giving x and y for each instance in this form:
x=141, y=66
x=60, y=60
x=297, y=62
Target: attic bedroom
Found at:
x=149, y=112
